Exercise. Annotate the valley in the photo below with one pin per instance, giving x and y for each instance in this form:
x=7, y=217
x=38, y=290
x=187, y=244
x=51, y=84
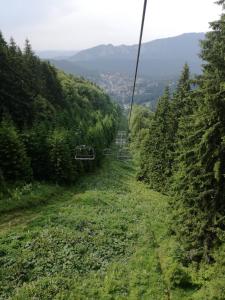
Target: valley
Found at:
x=112, y=183
x=112, y=67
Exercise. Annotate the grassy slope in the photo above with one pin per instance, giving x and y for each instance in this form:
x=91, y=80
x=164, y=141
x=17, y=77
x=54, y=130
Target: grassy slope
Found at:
x=105, y=238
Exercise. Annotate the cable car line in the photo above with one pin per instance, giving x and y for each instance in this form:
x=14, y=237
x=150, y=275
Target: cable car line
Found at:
x=84, y=152
x=138, y=58
x=123, y=152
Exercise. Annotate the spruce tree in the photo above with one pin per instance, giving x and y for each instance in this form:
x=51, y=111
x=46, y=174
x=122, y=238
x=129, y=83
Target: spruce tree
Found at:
x=157, y=148
x=15, y=165
x=179, y=101
x=52, y=113
x=200, y=181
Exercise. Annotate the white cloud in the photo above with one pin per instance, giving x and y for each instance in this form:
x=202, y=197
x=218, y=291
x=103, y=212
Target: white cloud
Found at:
x=77, y=24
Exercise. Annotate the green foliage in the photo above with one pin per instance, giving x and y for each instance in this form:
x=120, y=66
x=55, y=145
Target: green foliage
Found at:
x=60, y=157
x=155, y=151
x=15, y=165
x=35, y=140
x=43, y=110
x=140, y=119
x=53, y=114
x=158, y=142
x=26, y=195
x=46, y=288
x=200, y=182
x=93, y=241
x=183, y=154
x=178, y=276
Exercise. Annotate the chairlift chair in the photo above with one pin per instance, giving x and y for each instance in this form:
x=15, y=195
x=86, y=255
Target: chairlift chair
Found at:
x=121, y=134
x=84, y=152
x=118, y=141
x=107, y=152
x=121, y=141
x=124, y=154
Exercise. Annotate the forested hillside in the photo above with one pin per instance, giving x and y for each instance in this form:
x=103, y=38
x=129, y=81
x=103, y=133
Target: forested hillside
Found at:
x=146, y=226
x=112, y=67
x=45, y=114
x=160, y=59
x=182, y=153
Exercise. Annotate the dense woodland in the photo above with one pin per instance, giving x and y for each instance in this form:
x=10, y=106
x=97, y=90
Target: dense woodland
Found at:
x=182, y=153
x=180, y=148
x=44, y=115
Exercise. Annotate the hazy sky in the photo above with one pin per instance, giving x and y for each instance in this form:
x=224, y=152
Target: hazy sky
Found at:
x=79, y=24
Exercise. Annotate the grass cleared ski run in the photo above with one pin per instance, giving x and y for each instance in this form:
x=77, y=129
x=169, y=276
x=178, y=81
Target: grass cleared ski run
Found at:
x=104, y=238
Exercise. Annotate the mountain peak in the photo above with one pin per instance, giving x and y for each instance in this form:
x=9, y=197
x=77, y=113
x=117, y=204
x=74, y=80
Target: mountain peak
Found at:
x=151, y=50
x=161, y=61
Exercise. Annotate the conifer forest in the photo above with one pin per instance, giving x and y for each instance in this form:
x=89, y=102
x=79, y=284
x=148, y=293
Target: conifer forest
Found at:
x=101, y=202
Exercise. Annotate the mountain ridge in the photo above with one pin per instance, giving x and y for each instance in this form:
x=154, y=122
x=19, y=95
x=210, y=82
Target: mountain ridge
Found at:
x=161, y=61
x=110, y=51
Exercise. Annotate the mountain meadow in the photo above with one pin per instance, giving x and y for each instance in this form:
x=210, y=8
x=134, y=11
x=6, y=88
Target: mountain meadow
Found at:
x=96, y=206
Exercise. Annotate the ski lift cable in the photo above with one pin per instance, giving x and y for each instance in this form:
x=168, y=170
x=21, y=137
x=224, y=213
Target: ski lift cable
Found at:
x=138, y=58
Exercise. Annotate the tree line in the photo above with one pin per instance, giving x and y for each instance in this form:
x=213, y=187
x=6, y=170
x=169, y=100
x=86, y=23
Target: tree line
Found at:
x=182, y=151
x=44, y=115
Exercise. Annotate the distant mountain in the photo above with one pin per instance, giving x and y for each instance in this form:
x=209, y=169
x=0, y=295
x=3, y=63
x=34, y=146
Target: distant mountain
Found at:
x=162, y=57
x=161, y=62
x=106, y=52
x=55, y=54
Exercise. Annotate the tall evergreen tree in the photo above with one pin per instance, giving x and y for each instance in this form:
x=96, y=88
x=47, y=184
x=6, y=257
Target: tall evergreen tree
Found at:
x=156, y=150
x=200, y=176
x=43, y=105
x=180, y=98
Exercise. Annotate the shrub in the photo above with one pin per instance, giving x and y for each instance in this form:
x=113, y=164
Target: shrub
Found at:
x=178, y=277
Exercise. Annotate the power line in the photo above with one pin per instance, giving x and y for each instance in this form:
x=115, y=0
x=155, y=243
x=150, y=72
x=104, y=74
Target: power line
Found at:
x=138, y=57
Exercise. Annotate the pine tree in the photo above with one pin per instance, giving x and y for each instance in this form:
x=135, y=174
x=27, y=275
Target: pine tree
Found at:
x=200, y=181
x=15, y=165
x=3, y=75
x=156, y=151
x=52, y=113
x=179, y=101
x=28, y=49
x=12, y=46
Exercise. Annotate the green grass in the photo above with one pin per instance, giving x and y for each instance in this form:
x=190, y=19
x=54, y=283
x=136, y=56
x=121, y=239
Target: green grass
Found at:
x=22, y=196
x=104, y=238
